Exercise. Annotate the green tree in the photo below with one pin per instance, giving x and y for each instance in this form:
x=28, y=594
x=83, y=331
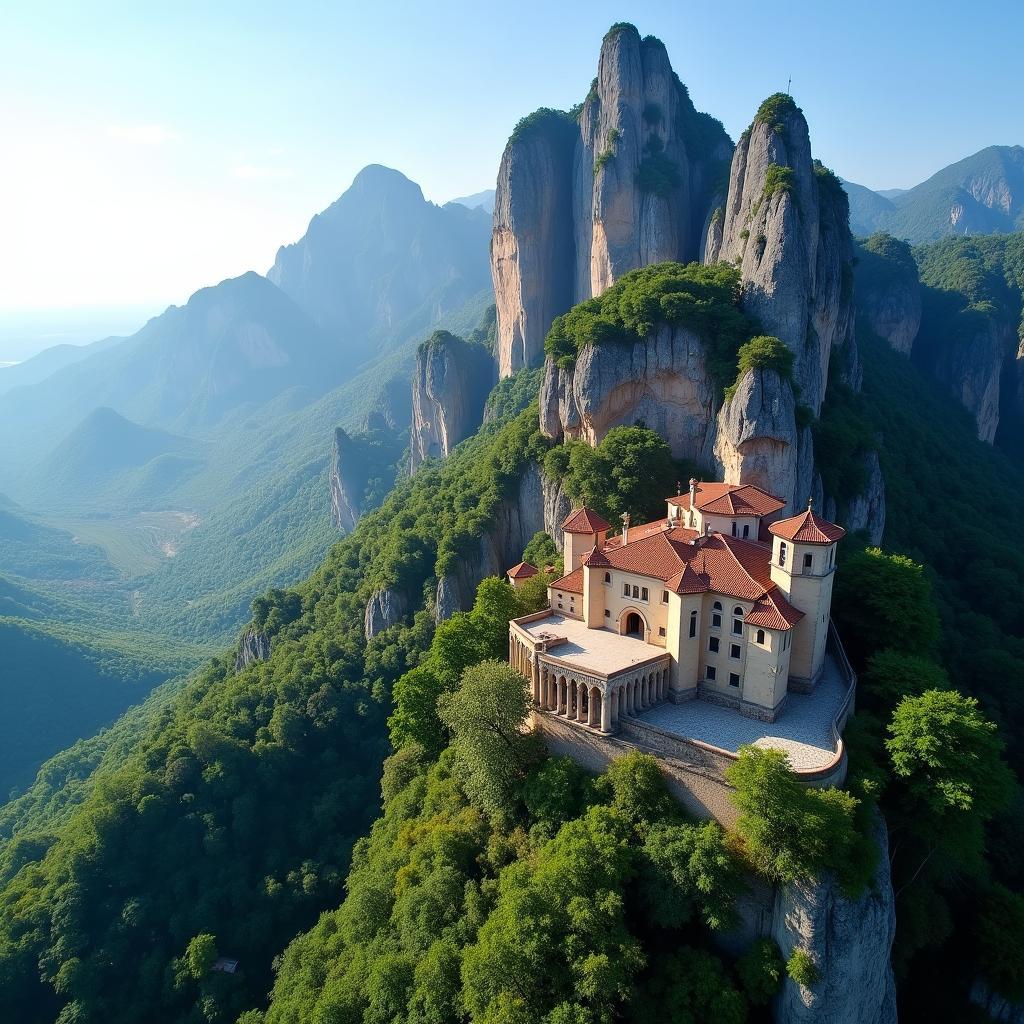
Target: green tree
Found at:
x=542, y=551
x=999, y=933
x=760, y=970
x=884, y=601
x=892, y=675
x=801, y=967
x=486, y=718
x=200, y=955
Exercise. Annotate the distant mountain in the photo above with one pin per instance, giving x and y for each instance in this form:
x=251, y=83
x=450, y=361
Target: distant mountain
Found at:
x=982, y=194
x=382, y=259
x=49, y=361
x=478, y=200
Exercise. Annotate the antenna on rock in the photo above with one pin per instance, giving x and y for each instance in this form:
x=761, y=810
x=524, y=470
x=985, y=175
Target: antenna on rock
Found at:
x=789, y=84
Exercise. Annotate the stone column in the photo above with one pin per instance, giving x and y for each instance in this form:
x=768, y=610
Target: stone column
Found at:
x=606, y=712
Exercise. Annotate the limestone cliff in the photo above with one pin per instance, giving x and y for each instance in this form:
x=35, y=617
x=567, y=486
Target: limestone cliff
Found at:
x=583, y=199
x=785, y=225
x=254, y=646
x=889, y=290
x=363, y=468
x=849, y=941
x=538, y=504
x=450, y=386
x=384, y=609
x=662, y=381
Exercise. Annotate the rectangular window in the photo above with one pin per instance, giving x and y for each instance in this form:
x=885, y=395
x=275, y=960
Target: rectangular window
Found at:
x=661, y=631
x=710, y=672
x=636, y=592
x=664, y=597
x=644, y=594
x=607, y=614
x=808, y=558
x=734, y=650
x=746, y=530
x=625, y=590
x=737, y=627
x=693, y=625
x=716, y=621
x=607, y=577
x=734, y=679
x=713, y=644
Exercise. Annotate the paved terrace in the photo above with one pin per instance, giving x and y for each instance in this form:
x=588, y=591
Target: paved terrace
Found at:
x=588, y=650
x=803, y=730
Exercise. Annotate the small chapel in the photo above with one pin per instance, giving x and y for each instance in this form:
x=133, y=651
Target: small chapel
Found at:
x=724, y=600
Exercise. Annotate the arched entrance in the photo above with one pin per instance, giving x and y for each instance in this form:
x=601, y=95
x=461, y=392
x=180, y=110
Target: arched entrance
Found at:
x=634, y=626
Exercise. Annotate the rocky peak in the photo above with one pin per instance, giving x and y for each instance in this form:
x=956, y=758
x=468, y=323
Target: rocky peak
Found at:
x=450, y=386
x=584, y=198
x=785, y=225
x=889, y=290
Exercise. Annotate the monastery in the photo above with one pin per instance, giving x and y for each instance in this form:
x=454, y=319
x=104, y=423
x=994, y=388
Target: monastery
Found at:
x=722, y=600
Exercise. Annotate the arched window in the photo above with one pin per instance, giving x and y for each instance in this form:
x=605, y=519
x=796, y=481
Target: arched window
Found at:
x=717, y=606
x=607, y=577
x=783, y=547
x=737, y=621
x=760, y=636
x=693, y=624
x=716, y=615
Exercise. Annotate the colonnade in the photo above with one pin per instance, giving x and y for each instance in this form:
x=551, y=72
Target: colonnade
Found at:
x=596, y=704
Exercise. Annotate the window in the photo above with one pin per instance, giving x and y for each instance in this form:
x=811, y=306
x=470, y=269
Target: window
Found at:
x=636, y=592
x=734, y=527
x=734, y=651
x=760, y=636
x=693, y=624
x=737, y=621
x=832, y=558
x=713, y=644
x=717, y=606
x=808, y=560
x=645, y=594
x=716, y=620
x=625, y=590
x=746, y=530
x=607, y=614
x=607, y=577
x=710, y=672
x=664, y=597
x=661, y=631
x=734, y=679
x=783, y=548
x=559, y=604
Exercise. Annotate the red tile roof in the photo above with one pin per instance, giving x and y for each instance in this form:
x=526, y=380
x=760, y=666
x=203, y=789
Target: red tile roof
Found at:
x=773, y=611
x=522, y=571
x=638, y=532
x=807, y=528
x=731, y=500
x=582, y=520
x=571, y=584
x=595, y=557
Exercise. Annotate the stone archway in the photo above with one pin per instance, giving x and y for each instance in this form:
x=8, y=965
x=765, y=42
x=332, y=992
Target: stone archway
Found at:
x=633, y=623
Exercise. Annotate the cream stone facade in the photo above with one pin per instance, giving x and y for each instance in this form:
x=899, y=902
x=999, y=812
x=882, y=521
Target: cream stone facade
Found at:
x=720, y=601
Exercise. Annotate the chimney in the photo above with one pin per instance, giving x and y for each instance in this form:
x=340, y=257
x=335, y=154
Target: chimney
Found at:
x=625, y=528
x=693, y=494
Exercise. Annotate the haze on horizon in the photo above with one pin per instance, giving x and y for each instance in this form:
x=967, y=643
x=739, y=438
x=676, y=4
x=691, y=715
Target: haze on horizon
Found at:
x=149, y=152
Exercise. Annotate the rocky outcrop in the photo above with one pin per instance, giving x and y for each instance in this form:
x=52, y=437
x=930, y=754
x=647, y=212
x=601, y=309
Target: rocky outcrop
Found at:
x=254, y=646
x=849, y=941
x=757, y=437
x=582, y=200
x=971, y=365
x=450, y=387
x=346, y=482
x=661, y=382
x=363, y=468
x=538, y=504
x=532, y=242
x=391, y=406
x=889, y=291
x=385, y=608
x=784, y=224
x=867, y=510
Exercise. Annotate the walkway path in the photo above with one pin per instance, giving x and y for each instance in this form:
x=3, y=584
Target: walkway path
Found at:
x=803, y=730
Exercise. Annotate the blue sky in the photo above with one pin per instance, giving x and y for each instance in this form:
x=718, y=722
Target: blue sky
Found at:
x=150, y=149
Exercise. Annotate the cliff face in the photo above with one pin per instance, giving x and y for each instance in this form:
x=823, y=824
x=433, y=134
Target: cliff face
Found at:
x=784, y=224
x=254, y=646
x=346, y=484
x=539, y=504
x=363, y=468
x=662, y=381
x=450, y=386
x=578, y=204
x=385, y=608
x=889, y=291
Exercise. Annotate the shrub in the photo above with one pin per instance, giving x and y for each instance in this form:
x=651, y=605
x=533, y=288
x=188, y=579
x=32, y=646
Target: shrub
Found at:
x=543, y=119
x=778, y=179
x=602, y=160
x=801, y=967
x=760, y=971
x=774, y=109
x=765, y=352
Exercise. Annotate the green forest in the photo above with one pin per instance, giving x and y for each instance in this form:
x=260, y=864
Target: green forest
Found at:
x=243, y=815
